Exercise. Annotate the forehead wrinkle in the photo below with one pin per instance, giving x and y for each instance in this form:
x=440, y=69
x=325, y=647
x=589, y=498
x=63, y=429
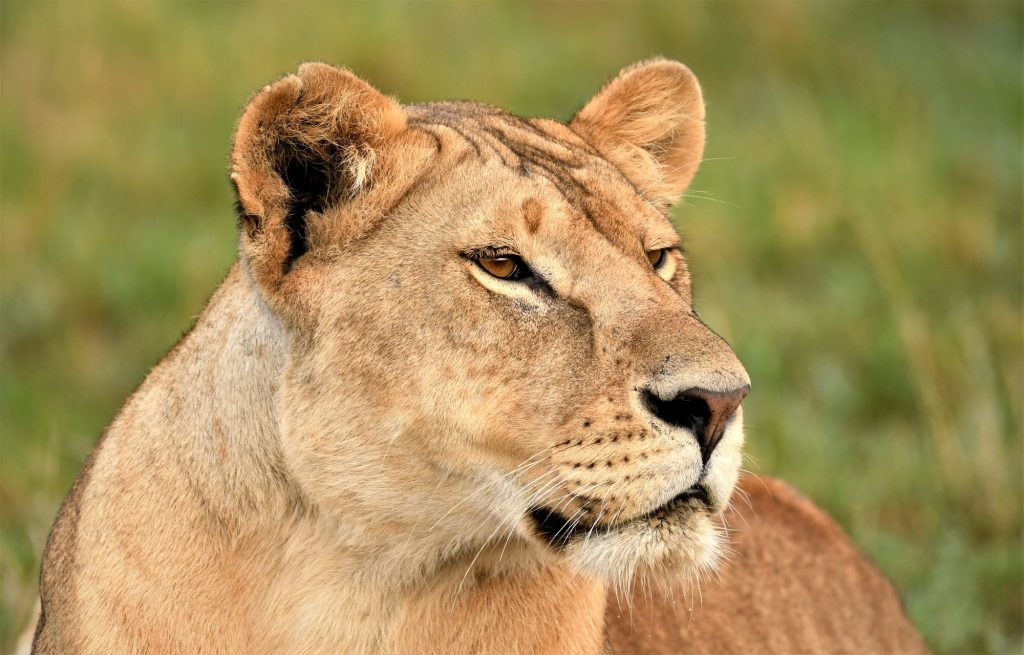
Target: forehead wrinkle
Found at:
x=566, y=234
x=521, y=144
x=618, y=225
x=564, y=163
x=567, y=221
x=586, y=268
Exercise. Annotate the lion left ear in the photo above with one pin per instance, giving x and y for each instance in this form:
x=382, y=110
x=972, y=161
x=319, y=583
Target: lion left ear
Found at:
x=306, y=146
x=649, y=121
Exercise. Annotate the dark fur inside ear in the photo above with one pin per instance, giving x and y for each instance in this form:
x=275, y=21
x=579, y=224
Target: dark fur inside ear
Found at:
x=305, y=145
x=309, y=176
x=309, y=184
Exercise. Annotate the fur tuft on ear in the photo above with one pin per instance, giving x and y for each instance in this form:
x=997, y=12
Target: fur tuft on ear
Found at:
x=305, y=144
x=649, y=121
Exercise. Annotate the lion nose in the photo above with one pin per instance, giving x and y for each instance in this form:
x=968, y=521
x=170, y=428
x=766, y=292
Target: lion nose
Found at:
x=703, y=412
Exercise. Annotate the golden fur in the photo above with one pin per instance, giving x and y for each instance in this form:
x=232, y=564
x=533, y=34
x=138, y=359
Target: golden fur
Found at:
x=369, y=444
x=794, y=584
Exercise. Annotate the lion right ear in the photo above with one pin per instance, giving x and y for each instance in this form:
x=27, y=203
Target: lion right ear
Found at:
x=649, y=121
x=305, y=145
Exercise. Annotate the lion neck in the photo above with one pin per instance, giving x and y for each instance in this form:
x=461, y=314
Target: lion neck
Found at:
x=319, y=589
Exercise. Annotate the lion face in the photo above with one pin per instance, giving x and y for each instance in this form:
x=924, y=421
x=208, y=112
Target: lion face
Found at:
x=492, y=340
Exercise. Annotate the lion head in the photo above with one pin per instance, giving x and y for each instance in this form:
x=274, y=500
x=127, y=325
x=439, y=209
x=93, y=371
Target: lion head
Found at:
x=491, y=341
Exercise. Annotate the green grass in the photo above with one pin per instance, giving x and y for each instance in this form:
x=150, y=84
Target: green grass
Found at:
x=856, y=233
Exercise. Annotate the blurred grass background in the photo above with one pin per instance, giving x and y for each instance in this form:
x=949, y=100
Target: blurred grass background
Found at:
x=856, y=233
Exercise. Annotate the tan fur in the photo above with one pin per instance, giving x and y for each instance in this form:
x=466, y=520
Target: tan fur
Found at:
x=355, y=448
x=794, y=584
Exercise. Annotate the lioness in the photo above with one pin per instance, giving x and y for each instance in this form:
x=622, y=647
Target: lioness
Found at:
x=453, y=391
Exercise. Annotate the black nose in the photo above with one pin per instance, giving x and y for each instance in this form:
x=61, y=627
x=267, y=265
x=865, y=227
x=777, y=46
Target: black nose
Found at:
x=703, y=412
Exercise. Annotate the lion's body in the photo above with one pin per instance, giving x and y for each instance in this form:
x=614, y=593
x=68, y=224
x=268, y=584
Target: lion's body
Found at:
x=241, y=568
x=374, y=440
x=794, y=584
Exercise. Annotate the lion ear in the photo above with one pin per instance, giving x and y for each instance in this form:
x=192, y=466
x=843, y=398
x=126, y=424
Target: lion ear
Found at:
x=305, y=144
x=649, y=122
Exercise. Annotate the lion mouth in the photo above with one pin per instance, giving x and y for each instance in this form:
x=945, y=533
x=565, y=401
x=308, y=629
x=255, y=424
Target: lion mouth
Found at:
x=558, y=530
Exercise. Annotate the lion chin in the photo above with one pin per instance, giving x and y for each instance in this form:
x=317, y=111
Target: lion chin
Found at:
x=673, y=544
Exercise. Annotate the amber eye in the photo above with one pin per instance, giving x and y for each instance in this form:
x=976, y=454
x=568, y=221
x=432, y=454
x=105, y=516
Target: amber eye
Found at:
x=657, y=257
x=505, y=268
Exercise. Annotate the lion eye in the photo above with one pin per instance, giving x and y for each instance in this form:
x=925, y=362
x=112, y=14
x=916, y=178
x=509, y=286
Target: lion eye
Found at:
x=505, y=268
x=657, y=257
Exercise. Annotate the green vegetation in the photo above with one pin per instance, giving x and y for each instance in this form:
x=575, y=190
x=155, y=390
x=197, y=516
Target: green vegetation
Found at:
x=856, y=233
